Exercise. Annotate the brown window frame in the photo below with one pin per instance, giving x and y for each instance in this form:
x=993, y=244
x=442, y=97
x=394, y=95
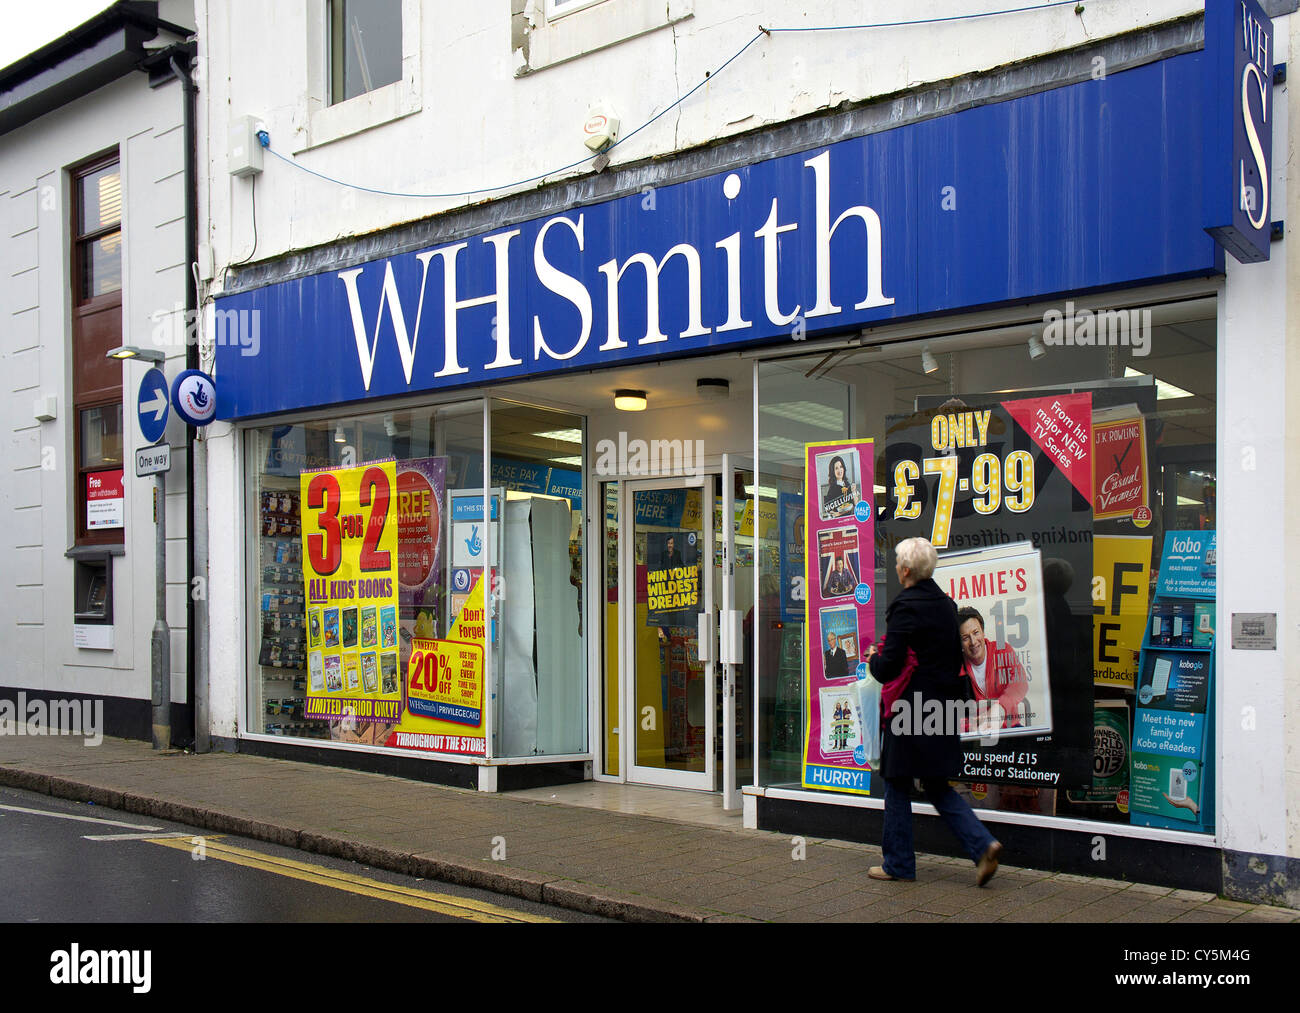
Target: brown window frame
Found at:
x=85, y=397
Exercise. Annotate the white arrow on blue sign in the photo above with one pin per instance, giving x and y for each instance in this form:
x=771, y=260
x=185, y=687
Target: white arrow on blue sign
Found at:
x=153, y=405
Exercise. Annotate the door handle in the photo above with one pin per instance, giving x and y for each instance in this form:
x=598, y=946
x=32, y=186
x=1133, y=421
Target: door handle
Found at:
x=704, y=638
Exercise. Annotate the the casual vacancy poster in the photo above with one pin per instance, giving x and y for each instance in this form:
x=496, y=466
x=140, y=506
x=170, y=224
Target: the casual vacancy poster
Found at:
x=838, y=583
x=1121, y=595
x=988, y=474
x=1119, y=456
x=350, y=567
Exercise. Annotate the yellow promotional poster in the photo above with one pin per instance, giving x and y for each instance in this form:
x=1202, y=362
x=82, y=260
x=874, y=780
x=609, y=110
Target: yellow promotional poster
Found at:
x=444, y=687
x=1121, y=593
x=693, y=512
x=349, y=564
x=767, y=519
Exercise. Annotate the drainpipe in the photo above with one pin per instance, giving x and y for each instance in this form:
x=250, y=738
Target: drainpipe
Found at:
x=178, y=60
x=196, y=604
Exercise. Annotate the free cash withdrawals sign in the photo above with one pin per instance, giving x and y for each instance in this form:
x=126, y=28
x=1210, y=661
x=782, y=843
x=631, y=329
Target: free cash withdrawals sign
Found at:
x=993, y=473
x=839, y=581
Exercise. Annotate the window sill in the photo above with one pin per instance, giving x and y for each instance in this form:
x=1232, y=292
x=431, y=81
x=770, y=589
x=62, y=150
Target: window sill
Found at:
x=547, y=43
x=373, y=109
x=95, y=551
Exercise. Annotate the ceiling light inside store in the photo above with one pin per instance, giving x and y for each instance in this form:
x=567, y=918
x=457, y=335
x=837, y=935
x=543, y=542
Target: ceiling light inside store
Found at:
x=809, y=413
x=764, y=491
x=1164, y=391
x=781, y=447
x=571, y=462
x=1036, y=347
x=630, y=400
x=390, y=424
x=928, y=362
x=562, y=436
x=338, y=434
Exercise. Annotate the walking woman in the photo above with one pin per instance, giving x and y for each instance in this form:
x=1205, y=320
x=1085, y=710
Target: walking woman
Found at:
x=923, y=618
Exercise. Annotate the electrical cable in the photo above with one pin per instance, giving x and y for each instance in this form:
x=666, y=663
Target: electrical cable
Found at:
x=251, y=255
x=708, y=78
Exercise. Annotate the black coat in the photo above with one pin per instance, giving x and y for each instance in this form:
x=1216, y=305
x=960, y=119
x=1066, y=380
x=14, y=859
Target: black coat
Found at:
x=923, y=618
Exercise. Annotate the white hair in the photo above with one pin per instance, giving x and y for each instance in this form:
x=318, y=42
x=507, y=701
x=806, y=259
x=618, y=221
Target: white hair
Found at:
x=918, y=556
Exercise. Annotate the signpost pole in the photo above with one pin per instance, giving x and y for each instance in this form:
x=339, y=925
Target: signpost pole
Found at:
x=152, y=410
x=160, y=653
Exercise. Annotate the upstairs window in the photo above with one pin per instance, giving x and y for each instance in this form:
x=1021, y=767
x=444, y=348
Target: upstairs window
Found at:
x=98, y=227
x=365, y=46
x=559, y=8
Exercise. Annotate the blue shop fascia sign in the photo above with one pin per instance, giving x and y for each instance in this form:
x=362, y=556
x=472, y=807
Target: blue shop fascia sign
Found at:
x=1239, y=127
x=1096, y=185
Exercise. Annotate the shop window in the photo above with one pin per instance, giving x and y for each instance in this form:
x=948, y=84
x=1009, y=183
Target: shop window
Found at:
x=96, y=276
x=351, y=581
x=365, y=46
x=1148, y=409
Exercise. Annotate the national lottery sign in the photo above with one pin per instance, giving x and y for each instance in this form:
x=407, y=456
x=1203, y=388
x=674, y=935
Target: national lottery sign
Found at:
x=350, y=570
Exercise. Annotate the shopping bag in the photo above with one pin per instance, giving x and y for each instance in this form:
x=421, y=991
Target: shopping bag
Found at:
x=869, y=718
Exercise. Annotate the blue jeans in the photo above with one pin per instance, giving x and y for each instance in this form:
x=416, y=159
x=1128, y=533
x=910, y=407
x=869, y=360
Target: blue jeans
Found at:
x=900, y=858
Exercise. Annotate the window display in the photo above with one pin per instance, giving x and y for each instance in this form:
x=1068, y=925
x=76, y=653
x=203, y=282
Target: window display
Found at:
x=382, y=592
x=349, y=560
x=1048, y=485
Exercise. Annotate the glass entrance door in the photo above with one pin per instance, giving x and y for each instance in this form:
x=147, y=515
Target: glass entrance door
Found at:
x=751, y=523
x=669, y=641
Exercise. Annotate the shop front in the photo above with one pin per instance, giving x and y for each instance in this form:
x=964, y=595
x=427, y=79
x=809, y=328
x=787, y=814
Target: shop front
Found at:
x=611, y=490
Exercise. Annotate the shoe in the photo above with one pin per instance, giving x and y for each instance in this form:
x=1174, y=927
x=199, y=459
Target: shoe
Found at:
x=878, y=872
x=988, y=864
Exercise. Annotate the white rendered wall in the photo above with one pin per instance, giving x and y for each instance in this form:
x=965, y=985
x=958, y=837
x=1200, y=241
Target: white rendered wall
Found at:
x=480, y=126
x=1256, y=538
x=1288, y=631
x=37, y=503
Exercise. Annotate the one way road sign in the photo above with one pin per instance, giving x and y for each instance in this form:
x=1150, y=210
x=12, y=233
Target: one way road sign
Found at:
x=153, y=405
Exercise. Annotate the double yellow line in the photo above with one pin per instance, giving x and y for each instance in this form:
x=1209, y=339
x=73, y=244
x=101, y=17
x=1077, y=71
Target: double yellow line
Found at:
x=444, y=904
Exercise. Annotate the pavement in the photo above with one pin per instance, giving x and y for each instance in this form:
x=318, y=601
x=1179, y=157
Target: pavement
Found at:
x=627, y=866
